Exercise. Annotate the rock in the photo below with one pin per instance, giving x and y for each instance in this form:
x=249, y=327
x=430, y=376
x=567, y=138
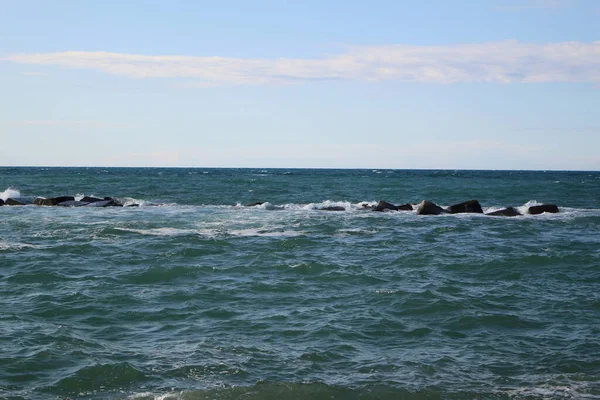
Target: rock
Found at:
x=13, y=202
x=429, y=208
x=333, y=208
x=405, y=207
x=40, y=201
x=255, y=204
x=72, y=203
x=549, y=208
x=384, y=205
x=470, y=206
x=1, y=202
x=505, y=212
x=90, y=199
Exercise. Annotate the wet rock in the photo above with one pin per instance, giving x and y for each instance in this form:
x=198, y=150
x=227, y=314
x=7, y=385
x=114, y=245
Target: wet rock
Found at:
x=258, y=203
x=366, y=206
x=429, y=208
x=1, y=202
x=72, y=203
x=505, y=212
x=53, y=201
x=333, y=208
x=91, y=199
x=469, y=206
x=405, y=207
x=549, y=208
x=384, y=205
x=15, y=202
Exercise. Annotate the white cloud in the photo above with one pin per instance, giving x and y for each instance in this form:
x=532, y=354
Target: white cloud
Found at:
x=500, y=62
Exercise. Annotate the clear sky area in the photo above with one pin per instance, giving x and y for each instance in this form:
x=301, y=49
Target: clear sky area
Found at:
x=459, y=84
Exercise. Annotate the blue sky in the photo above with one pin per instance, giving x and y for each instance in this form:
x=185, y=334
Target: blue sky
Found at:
x=495, y=84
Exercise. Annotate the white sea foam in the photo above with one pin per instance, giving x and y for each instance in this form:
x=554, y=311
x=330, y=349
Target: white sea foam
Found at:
x=154, y=396
x=573, y=391
x=10, y=193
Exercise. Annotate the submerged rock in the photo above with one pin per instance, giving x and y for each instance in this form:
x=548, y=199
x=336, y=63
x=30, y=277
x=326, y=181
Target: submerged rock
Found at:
x=469, y=206
x=505, y=212
x=549, y=208
x=429, y=208
x=258, y=203
x=366, y=207
x=333, y=208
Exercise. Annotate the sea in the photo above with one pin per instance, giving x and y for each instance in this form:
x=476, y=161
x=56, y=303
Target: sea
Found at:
x=190, y=293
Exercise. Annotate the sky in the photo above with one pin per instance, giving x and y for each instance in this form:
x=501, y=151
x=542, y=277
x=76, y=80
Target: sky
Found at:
x=399, y=84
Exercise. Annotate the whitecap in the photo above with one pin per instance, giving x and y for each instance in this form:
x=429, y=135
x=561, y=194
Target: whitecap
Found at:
x=10, y=193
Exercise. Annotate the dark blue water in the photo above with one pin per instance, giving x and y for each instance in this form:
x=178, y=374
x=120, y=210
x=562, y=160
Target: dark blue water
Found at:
x=192, y=295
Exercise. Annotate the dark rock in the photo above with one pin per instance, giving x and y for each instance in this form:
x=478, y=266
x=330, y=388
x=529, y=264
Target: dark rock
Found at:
x=405, y=207
x=1, y=202
x=40, y=201
x=549, y=208
x=384, y=205
x=255, y=204
x=132, y=205
x=470, y=206
x=333, y=208
x=429, y=208
x=90, y=199
x=505, y=212
x=72, y=203
x=366, y=206
x=13, y=202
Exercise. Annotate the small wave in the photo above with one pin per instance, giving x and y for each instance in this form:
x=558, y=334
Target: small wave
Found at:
x=276, y=390
x=15, y=246
x=97, y=377
x=264, y=233
x=356, y=231
x=159, y=231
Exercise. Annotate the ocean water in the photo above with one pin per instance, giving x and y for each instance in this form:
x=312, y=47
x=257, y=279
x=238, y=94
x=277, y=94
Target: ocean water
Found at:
x=192, y=295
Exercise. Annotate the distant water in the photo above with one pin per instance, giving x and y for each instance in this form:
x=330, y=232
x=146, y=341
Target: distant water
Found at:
x=203, y=298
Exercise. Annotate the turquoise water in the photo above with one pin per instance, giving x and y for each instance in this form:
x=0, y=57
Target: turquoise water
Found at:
x=192, y=295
